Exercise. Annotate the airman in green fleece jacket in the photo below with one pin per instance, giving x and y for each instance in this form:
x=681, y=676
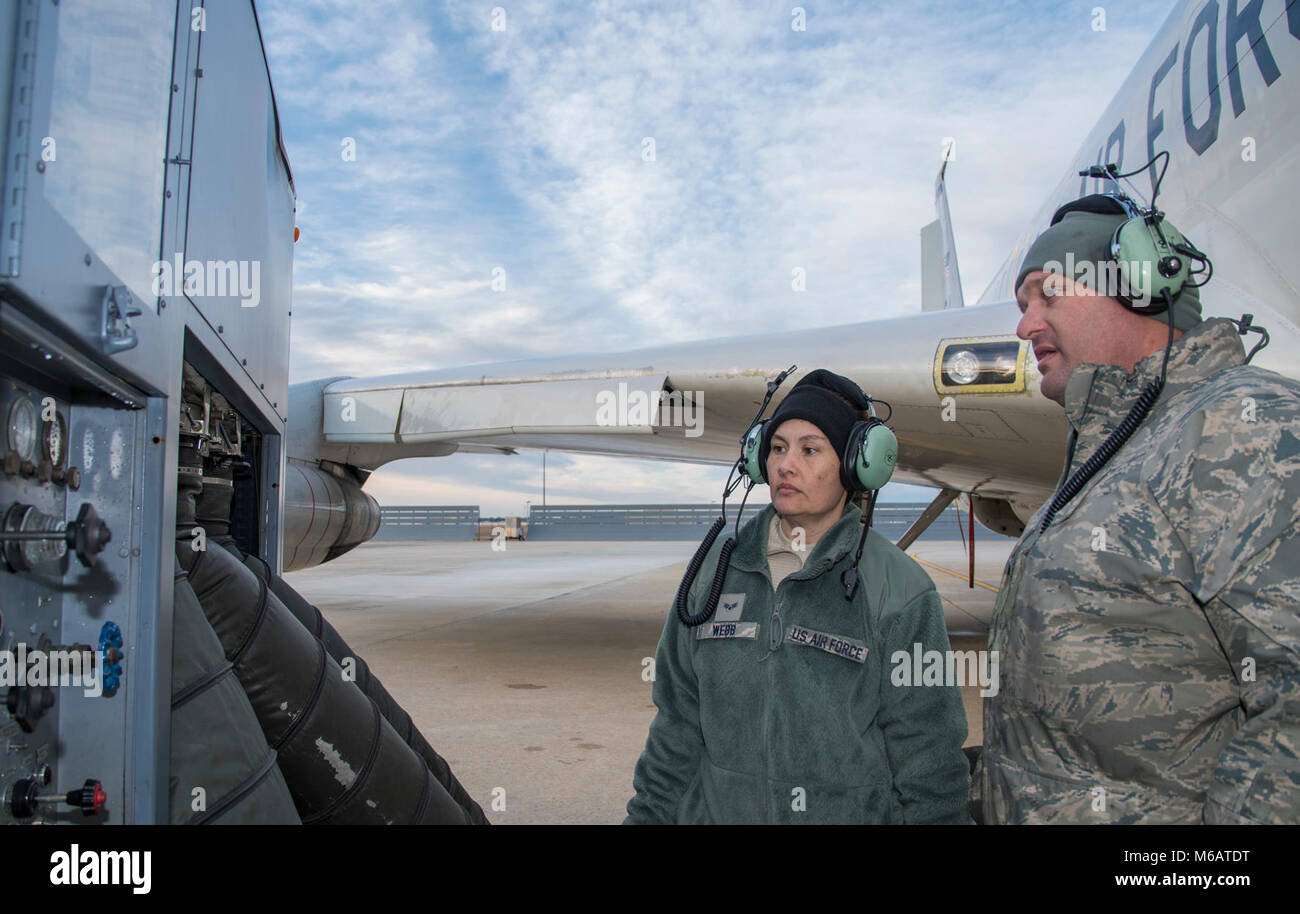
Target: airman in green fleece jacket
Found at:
x=781, y=707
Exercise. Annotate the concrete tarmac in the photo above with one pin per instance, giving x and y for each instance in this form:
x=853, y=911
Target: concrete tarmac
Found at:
x=527, y=668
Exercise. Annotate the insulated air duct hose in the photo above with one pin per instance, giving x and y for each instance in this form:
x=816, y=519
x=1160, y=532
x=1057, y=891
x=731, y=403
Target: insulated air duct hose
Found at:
x=344, y=763
x=312, y=619
x=337, y=747
x=232, y=779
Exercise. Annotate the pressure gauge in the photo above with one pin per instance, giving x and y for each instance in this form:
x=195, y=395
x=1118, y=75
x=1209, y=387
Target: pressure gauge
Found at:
x=22, y=428
x=55, y=440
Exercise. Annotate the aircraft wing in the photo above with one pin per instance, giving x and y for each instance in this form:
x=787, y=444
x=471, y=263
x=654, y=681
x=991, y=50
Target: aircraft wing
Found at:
x=692, y=402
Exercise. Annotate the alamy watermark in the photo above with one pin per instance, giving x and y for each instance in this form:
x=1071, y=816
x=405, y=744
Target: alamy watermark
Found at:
x=945, y=668
x=57, y=667
x=1130, y=281
x=624, y=407
x=91, y=867
x=240, y=279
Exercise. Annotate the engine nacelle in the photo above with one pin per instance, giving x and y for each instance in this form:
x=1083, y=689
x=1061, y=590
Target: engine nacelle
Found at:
x=325, y=513
x=1002, y=516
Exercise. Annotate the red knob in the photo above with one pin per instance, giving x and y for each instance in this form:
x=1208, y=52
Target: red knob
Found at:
x=89, y=798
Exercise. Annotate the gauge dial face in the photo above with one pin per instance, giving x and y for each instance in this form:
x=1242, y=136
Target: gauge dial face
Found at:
x=55, y=440
x=22, y=428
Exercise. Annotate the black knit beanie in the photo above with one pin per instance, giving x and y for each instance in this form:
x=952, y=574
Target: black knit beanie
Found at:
x=814, y=399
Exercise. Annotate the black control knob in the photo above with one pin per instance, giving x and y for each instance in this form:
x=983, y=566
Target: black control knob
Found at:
x=89, y=799
x=24, y=796
x=88, y=535
x=28, y=704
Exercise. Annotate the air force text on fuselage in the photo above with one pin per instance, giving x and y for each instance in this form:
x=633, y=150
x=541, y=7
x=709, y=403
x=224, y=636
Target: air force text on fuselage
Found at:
x=1224, y=39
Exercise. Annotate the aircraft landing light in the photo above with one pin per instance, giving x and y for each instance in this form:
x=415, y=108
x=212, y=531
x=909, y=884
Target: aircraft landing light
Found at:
x=980, y=365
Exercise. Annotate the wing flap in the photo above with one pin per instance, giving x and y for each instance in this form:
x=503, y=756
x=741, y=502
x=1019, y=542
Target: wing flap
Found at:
x=420, y=414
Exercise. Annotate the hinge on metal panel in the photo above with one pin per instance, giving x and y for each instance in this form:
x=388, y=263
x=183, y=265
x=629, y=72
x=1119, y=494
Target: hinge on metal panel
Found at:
x=20, y=114
x=116, y=333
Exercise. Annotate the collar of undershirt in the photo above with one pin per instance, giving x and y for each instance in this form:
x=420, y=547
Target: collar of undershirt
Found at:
x=778, y=542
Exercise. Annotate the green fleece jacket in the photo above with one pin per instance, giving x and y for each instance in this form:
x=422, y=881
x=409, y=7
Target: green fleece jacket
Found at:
x=782, y=708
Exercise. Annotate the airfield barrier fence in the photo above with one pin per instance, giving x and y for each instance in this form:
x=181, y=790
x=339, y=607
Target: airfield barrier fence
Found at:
x=893, y=520
x=691, y=522
x=620, y=522
x=626, y=522
x=448, y=523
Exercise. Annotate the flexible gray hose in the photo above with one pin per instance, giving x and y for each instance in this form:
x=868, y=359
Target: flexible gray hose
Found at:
x=312, y=619
x=222, y=770
x=344, y=763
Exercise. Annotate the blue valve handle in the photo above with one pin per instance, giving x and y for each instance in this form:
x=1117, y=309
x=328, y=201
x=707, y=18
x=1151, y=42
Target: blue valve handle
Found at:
x=110, y=638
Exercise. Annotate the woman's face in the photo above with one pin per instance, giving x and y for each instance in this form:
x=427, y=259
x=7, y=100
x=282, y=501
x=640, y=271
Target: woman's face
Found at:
x=804, y=473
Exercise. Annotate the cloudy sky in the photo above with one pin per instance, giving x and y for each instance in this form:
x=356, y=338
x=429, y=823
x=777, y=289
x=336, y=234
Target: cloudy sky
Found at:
x=644, y=173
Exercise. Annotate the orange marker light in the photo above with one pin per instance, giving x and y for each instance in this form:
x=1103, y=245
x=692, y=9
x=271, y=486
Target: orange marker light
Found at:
x=296, y=233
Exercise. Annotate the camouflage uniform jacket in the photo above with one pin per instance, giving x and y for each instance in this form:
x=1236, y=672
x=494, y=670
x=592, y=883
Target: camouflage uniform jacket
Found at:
x=1149, y=638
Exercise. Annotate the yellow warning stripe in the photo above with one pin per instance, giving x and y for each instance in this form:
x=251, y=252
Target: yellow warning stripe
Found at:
x=953, y=573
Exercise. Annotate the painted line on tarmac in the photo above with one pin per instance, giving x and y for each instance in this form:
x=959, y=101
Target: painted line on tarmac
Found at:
x=953, y=573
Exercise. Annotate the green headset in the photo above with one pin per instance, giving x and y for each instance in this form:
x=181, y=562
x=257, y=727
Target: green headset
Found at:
x=865, y=466
x=1146, y=238
x=1155, y=245
x=1162, y=254
x=867, y=463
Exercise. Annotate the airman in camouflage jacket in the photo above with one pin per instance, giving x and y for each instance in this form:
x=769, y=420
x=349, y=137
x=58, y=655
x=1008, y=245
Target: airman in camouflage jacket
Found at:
x=1149, y=638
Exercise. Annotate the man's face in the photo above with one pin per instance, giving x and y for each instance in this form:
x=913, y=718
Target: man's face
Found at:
x=1068, y=324
x=804, y=473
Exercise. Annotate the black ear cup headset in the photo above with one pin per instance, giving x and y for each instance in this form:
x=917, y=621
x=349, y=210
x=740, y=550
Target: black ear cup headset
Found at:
x=1163, y=257
x=866, y=464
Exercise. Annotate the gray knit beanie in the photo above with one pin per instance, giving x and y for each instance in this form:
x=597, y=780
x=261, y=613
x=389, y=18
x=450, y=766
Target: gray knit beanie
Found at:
x=1081, y=236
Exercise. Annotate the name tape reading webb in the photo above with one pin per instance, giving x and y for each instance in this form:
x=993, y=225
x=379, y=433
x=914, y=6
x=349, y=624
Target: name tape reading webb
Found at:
x=727, y=630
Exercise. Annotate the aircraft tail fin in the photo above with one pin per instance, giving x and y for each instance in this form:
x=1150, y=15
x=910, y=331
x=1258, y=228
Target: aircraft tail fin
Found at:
x=940, y=278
